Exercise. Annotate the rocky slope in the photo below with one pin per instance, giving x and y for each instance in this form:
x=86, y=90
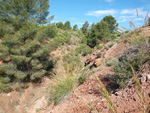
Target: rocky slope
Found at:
x=86, y=98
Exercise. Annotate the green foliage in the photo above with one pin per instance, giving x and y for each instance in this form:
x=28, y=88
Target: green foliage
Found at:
x=99, y=55
x=22, y=12
x=110, y=20
x=5, y=87
x=75, y=27
x=113, y=37
x=62, y=88
x=80, y=34
x=82, y=79
x=117, y=33
x=83, y=40
x=93, y=41
x=92, y=26
x=67, y=76
x=99, y=32
x=85, y=28
x=4, y=79
x=102, y=31
x=5, y=29
x=83, y=49
x=47, y=32
x=25, y=54
x=60, y=25
x=126, y=31
x=135, y=56
x=71, y=61
x=67, y=25
x=111, y=61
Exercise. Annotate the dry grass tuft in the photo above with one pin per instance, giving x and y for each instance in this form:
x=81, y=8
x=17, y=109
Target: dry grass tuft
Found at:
x=104, y=92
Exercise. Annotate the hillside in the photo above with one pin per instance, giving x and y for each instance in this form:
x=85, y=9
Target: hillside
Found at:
x=86, y=97
x=49, y=65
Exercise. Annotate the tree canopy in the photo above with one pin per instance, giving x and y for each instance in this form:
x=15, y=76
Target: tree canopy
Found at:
x=67, y=25
x=75, y=27
x=21, y=12
x=24, y=51
x=112, y=23
x=102, y=31
x=85, y=27
x=60, y=25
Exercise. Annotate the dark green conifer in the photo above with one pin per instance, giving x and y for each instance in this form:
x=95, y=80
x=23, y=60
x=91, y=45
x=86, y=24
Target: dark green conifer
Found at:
x=25, y=51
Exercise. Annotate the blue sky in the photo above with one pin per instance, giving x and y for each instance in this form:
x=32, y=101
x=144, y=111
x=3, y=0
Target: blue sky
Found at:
x=79, y=11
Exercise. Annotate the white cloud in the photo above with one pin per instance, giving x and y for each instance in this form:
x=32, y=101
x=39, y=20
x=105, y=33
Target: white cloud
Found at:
x=140, y=11
x=123, y=15
x=101, y=12
x=125, y=18
x=131, y=15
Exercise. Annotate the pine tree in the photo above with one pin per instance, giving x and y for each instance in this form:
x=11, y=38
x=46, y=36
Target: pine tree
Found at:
x=24, y=52
x=60, y=25
x=85, y=27
x=112, y=23
x=99, y=32
x=67, y=25
x=75, y=27
x=22, y=12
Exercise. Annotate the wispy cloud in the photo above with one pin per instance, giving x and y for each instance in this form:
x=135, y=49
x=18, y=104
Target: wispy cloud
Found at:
x=141, y=12
x=73, y=18
x=101, y=12
x=123, y=15
x=131, y=15
x=129, y=18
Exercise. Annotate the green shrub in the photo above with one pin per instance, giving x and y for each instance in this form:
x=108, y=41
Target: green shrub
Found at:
x=62, y=88
x=25, y=58
x=113, y=37
x=5, y=87
x=126, y=31
x=5, y=29
x=58, y=41
x=100, y=46
x=111, y=62
x=93, y=41
x=83, y=40
x=67, y=76
x=82, y=79
x=46, y=32
x=4, y=79
x=135, y=56
x=83, y=49
x=110, y=45
x=99, y=55
x=71, y=60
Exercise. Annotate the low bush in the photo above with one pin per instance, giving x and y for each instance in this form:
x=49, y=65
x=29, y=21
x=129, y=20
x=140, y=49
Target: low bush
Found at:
x=83, y=49
x=111, y=61
x=99, y=55
x=113, y=37
x=135, y=56
x=68, y=75
x=82, y=79
x=46, y=32
x=62, y=87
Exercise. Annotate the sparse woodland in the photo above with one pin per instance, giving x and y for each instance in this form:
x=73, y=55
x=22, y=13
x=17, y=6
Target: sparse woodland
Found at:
x=28, y=40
